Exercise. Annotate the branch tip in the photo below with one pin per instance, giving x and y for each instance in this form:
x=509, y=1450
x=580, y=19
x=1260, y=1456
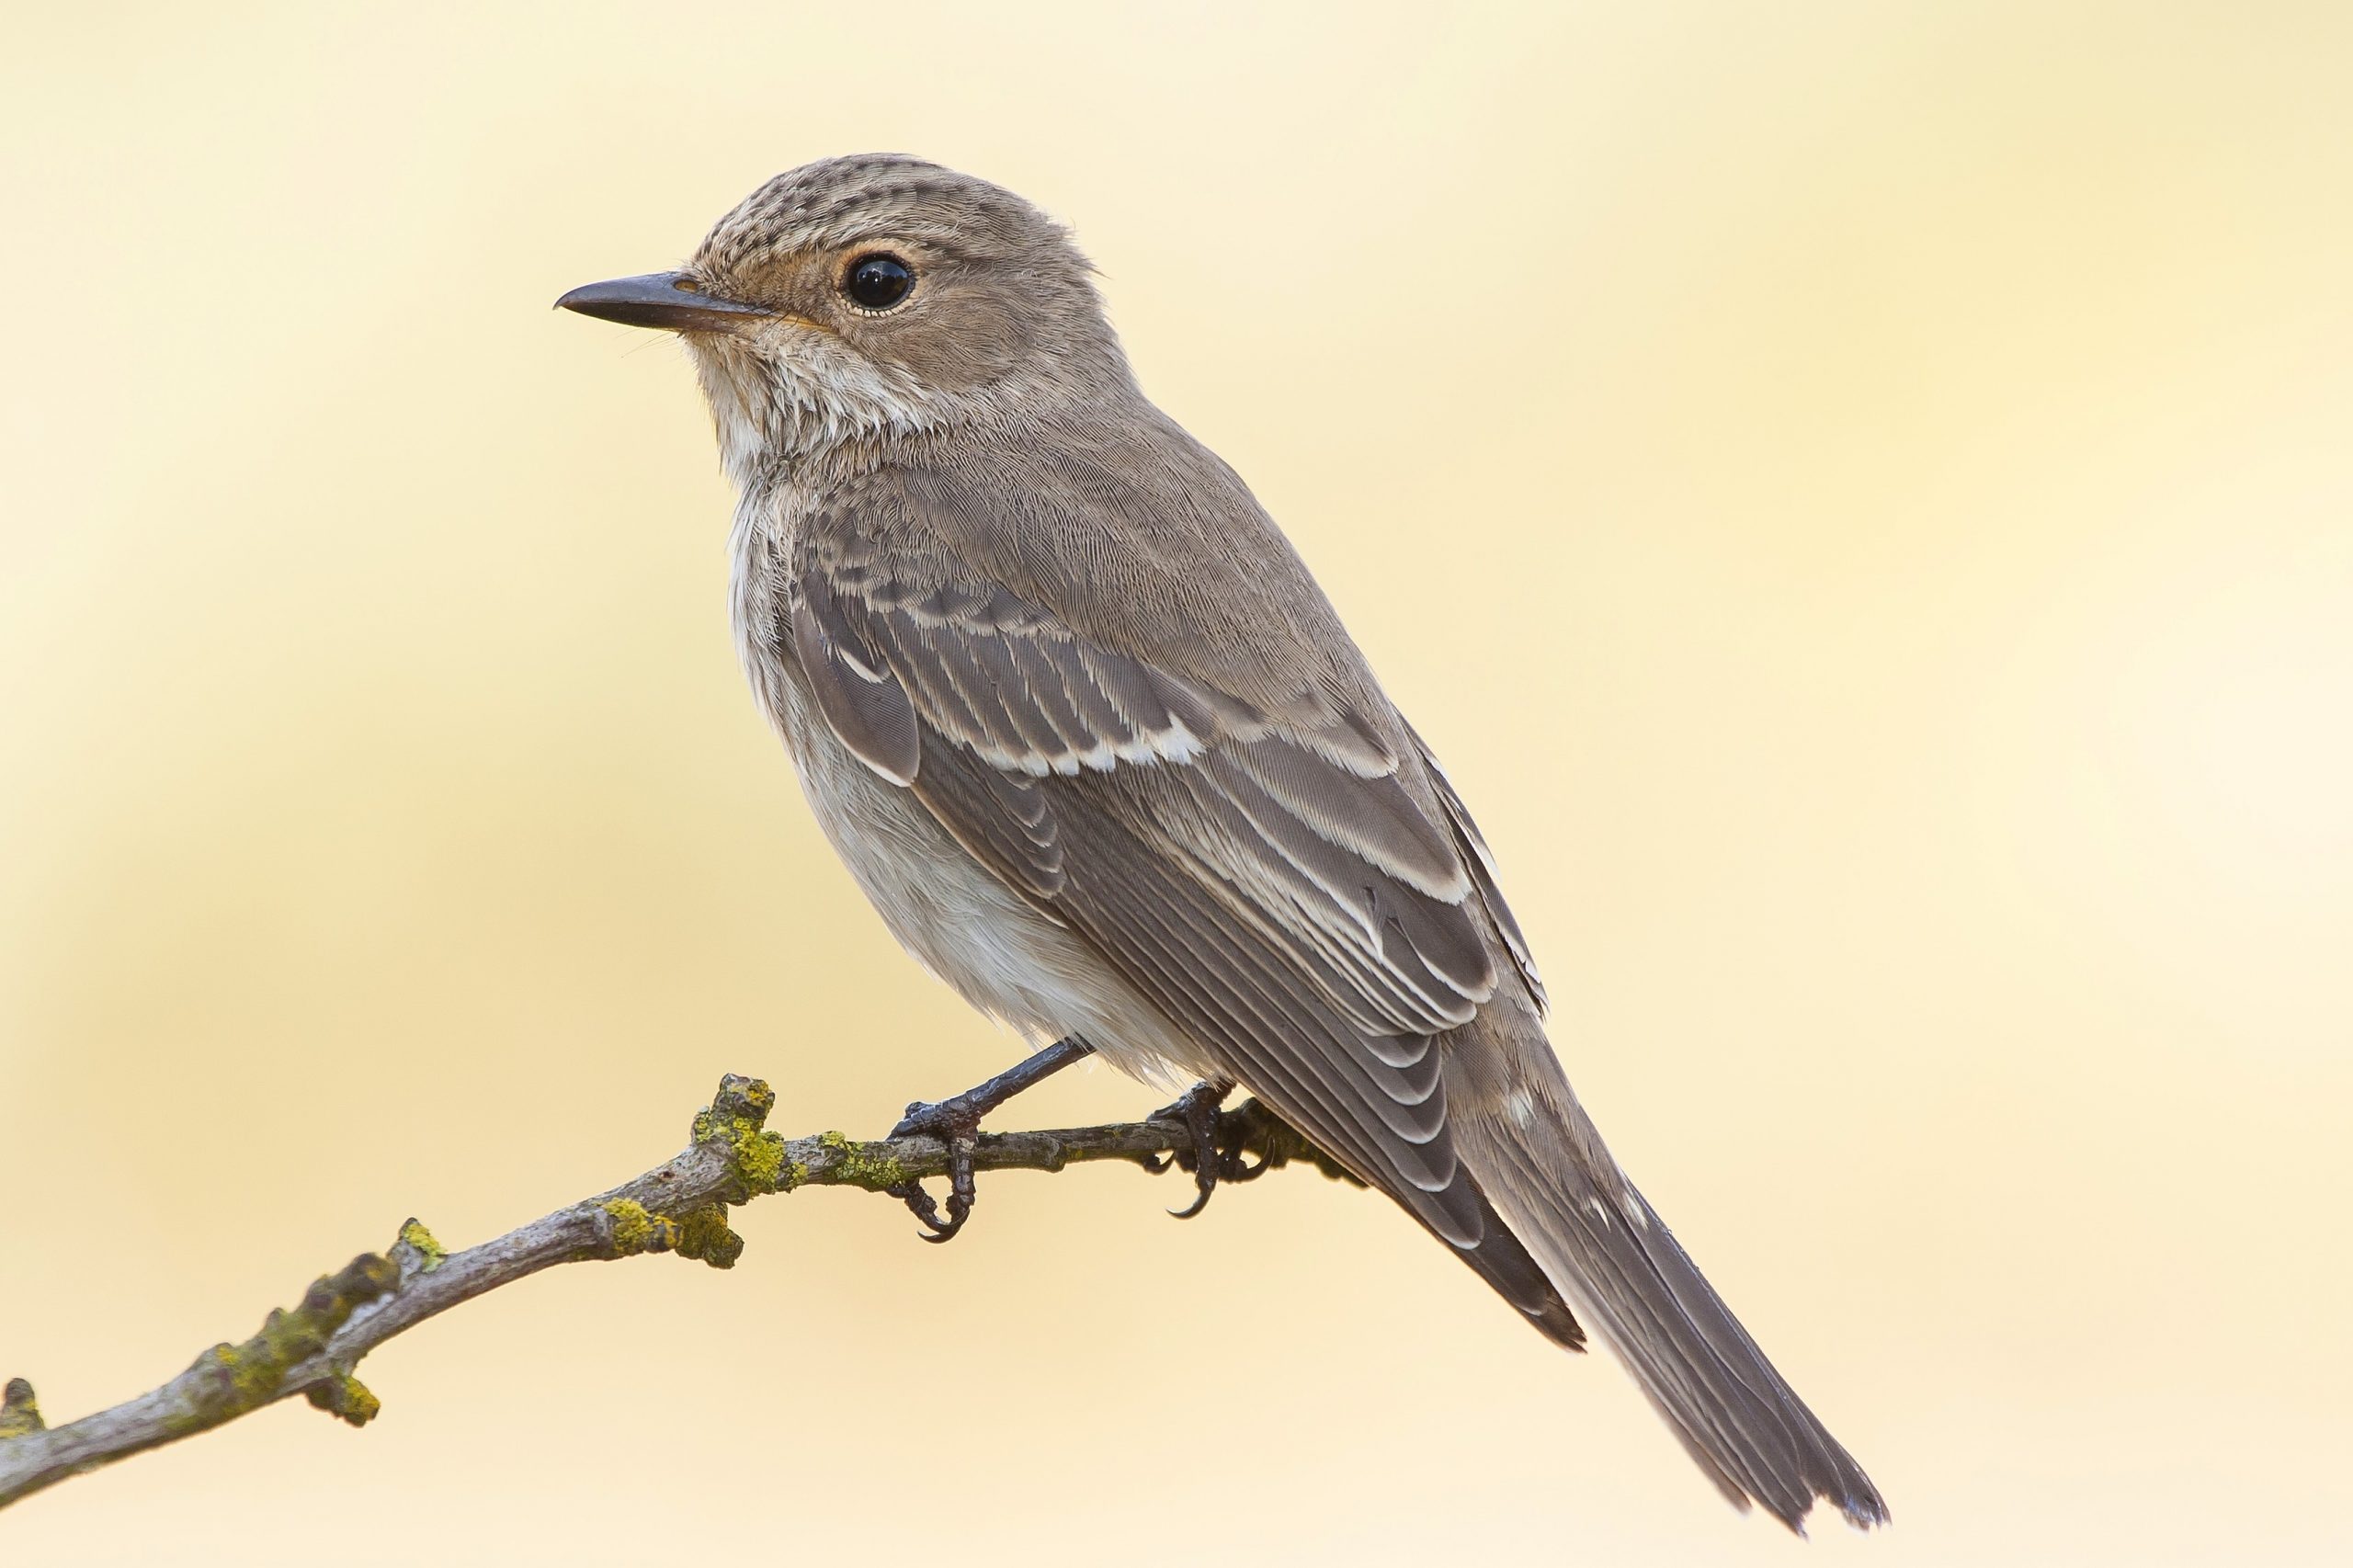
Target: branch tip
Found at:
x=680, y=1206
x=416, y=1251
x=704, y=1234
x=735, y=1121
x=739, y=1096
x=346, y=1398
x=19, y=1411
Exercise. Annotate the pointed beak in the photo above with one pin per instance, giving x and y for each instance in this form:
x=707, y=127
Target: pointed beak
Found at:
x=669, y=301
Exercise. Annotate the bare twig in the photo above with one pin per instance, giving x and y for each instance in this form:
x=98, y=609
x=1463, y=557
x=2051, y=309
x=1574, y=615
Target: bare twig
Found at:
x=680, y=1206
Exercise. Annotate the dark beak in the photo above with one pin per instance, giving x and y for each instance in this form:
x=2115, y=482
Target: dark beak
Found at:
x=671, y=300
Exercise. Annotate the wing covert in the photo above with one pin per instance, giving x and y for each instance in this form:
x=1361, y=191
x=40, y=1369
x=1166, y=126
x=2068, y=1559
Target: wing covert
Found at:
x=1258, y=850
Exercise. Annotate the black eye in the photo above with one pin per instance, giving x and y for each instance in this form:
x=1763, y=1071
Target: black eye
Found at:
x=879, y=281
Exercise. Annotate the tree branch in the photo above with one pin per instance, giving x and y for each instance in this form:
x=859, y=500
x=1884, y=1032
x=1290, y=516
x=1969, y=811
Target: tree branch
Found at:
x=680, y=1206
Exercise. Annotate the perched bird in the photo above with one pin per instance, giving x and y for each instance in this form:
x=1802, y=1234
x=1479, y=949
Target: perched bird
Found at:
x=1095, y=743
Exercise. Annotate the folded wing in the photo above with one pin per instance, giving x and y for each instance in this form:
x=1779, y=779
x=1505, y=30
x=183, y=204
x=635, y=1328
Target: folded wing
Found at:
x=1273, y=868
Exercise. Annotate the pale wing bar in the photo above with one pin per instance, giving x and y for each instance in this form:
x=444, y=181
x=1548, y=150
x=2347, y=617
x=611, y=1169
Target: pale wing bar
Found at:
x=1271, y=886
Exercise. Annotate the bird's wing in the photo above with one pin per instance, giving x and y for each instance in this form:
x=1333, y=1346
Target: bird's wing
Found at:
x=1272, y=867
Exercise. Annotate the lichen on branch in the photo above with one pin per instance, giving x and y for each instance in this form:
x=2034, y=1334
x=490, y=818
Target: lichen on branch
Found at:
x=681, y=1206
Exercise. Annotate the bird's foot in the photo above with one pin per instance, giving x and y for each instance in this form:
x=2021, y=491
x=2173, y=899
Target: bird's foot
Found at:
x=956, y=1123
x=1211, y=1158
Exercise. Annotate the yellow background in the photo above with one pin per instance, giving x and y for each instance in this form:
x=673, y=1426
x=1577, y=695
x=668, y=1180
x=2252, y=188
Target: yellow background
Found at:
x=1859, y=493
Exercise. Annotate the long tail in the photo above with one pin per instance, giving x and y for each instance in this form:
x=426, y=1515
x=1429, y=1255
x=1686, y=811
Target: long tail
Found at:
x=1543, y=1167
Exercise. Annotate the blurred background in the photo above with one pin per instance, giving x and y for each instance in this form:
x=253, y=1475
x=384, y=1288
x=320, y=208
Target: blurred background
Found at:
x=1895, y=467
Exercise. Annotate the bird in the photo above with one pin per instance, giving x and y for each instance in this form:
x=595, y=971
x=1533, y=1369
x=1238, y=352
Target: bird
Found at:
x=1087, y=734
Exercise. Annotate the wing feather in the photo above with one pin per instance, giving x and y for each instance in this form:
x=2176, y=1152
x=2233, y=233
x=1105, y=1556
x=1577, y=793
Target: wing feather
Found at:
x=1481, y=864
x=860, y=698
x=1262, y=856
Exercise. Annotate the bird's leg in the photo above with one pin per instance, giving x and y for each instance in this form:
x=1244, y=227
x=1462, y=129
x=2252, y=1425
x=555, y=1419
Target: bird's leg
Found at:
x=956, y=1122
x=1196, y=1111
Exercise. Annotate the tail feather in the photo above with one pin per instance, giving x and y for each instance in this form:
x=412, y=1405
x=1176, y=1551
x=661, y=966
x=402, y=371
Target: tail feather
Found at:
x=1542, y=1166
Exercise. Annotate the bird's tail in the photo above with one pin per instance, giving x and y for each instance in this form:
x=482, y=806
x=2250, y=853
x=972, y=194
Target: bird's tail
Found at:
x=1541, y=1164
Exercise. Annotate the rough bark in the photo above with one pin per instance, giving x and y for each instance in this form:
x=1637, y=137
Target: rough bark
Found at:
x=680, y=1206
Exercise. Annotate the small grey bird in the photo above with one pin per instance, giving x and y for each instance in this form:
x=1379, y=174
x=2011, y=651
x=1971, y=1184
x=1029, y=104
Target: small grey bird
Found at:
x=1096, y=747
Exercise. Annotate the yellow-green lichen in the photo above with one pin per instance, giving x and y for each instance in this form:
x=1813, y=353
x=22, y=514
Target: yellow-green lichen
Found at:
x=635, y=1229
x=863, y=1165
x=430, y=1253
x=759, y=1160
x=345, y=1397
x=230, y=1380
x=19, y=1411
x=704, y=1234
x=734, y=1119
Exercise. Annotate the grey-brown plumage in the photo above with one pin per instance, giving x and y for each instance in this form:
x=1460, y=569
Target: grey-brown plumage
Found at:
x=1087, y=733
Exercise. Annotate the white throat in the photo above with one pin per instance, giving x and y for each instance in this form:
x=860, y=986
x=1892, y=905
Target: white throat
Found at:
x=805, y=396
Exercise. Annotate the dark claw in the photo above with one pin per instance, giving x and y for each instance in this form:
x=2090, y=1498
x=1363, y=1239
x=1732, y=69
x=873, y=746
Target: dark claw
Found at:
x=1196, y=1111
x=1236, y=1170
x=956, y=1122
x=1250, y=1128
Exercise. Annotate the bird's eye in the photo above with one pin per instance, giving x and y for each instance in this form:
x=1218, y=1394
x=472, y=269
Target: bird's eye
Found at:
x=879, y=281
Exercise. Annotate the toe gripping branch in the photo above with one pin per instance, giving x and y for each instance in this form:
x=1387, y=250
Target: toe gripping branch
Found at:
x=1220, y=1145
x=1211, y=1157
x=1237, y=1145
x=958, y=1128
x=956, y=1123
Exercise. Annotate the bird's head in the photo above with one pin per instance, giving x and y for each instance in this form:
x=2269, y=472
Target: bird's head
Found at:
x=862, y=297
